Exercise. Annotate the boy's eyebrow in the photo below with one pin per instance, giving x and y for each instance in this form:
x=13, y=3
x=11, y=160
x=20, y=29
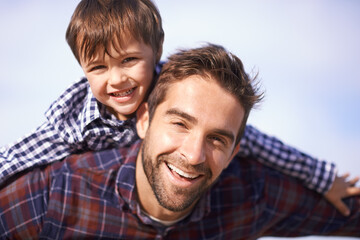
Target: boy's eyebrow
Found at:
x=93, y=62
x=98, y=60
x=182, y=114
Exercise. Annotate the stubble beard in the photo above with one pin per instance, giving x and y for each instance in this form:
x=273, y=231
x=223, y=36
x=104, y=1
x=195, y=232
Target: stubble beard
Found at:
x=181, y=198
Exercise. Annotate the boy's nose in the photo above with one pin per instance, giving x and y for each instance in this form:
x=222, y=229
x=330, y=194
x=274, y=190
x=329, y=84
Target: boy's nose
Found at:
x=193, y=149
x=117, y=76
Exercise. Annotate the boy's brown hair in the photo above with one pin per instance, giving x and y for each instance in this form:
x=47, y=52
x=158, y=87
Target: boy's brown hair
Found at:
x=101, y=23
x=211, y=61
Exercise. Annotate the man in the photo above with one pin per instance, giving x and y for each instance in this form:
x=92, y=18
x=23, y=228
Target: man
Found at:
x=180, y=182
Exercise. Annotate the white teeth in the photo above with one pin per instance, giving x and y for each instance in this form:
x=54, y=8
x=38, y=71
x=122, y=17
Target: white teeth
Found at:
x=122, y=94
x=181, y=173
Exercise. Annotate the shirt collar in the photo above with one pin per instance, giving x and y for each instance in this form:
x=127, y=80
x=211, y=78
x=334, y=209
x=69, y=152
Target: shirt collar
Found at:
x=90, y=112
x=93, y=110
x=125, y=180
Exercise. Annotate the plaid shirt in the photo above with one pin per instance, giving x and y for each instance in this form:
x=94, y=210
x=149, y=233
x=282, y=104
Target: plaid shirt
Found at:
x=93, y=195
x=77, y=122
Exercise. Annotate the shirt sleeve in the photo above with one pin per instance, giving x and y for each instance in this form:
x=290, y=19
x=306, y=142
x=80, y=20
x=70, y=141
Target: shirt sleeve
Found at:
x=42, y=146
x=315, y=174
x=290, y=210
x=23, y=205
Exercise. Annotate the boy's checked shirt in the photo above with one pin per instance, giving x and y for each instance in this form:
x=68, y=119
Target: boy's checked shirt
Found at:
x=77, y=122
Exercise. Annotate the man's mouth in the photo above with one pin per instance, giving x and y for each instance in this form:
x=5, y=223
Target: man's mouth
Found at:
x=181, y=173
x=123, y=93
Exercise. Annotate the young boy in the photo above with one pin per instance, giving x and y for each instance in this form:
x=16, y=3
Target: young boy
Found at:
x=118, y=45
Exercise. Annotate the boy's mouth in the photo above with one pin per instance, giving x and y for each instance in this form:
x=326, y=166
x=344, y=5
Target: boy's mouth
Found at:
x=123, y=93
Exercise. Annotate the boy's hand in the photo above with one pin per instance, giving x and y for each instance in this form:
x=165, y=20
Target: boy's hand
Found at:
x=340, y=189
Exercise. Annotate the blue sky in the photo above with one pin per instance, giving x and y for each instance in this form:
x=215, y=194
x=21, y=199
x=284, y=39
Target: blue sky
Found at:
x=306, y=53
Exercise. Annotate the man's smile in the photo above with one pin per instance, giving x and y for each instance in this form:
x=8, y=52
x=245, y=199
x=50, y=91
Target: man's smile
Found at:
x=181, y=178
x=182, y=173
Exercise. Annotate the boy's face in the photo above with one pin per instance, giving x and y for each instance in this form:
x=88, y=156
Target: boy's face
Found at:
x=120, y=80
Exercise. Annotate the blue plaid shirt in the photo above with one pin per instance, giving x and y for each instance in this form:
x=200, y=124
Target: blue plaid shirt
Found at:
x=93, y=196
x=77, y=122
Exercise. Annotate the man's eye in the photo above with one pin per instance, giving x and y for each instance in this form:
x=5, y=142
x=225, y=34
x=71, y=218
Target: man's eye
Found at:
x=218, y=140
x=179, y=124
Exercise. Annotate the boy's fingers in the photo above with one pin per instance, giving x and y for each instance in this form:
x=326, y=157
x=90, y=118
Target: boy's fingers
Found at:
x=353, y=181
x=352, y=191
x=345, y=175
x=342, y=208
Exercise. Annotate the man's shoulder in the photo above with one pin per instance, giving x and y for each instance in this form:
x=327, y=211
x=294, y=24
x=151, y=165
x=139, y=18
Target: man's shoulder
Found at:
x=98, y=161
x=92, y=161
x=248, y=171
x=243, y=177
x=246, y=181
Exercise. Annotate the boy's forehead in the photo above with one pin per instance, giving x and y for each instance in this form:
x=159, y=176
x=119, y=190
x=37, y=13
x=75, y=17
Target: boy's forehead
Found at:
x=113, y=46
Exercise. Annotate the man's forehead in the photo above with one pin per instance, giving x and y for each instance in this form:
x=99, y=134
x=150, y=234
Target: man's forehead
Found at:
x=196, y=85
x=203, y=98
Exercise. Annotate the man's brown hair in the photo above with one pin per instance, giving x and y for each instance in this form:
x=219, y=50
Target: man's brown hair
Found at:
x=211, y=61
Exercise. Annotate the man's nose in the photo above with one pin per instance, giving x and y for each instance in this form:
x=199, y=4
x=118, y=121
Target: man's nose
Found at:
x=193, y=149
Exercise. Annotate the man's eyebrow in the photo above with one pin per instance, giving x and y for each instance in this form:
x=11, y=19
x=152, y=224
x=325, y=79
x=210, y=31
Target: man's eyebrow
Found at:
x=226, y=134
x=182, y=114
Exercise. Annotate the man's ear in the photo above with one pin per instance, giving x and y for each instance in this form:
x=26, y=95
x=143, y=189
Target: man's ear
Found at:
x=236, y=150
x=142, y=120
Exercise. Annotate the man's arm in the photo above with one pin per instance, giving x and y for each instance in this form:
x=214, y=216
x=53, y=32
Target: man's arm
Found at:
x=299, y=211
x=314, y=174
x=23, y=205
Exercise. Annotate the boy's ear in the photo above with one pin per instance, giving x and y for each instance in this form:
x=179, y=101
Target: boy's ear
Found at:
x=159, y=53
x=142, y=120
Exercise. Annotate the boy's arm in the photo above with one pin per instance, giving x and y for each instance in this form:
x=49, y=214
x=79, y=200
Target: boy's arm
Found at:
x=40, y=147
x=315, y=174
x=342, y=188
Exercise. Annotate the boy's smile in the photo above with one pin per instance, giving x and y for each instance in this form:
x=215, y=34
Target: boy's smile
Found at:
x=123, y=95
x=120, y=77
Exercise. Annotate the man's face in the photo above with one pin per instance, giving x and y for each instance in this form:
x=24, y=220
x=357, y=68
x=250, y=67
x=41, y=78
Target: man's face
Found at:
x=190, y=141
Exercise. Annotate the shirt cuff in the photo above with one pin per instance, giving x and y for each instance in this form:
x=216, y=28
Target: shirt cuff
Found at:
x=323, y=176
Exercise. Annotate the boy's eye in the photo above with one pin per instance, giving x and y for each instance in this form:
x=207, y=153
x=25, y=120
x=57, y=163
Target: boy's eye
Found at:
x=128, y=59
x=97, y=67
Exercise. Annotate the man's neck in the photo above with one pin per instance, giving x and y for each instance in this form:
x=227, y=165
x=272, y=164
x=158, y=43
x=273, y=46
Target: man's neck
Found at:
x=166, y=223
